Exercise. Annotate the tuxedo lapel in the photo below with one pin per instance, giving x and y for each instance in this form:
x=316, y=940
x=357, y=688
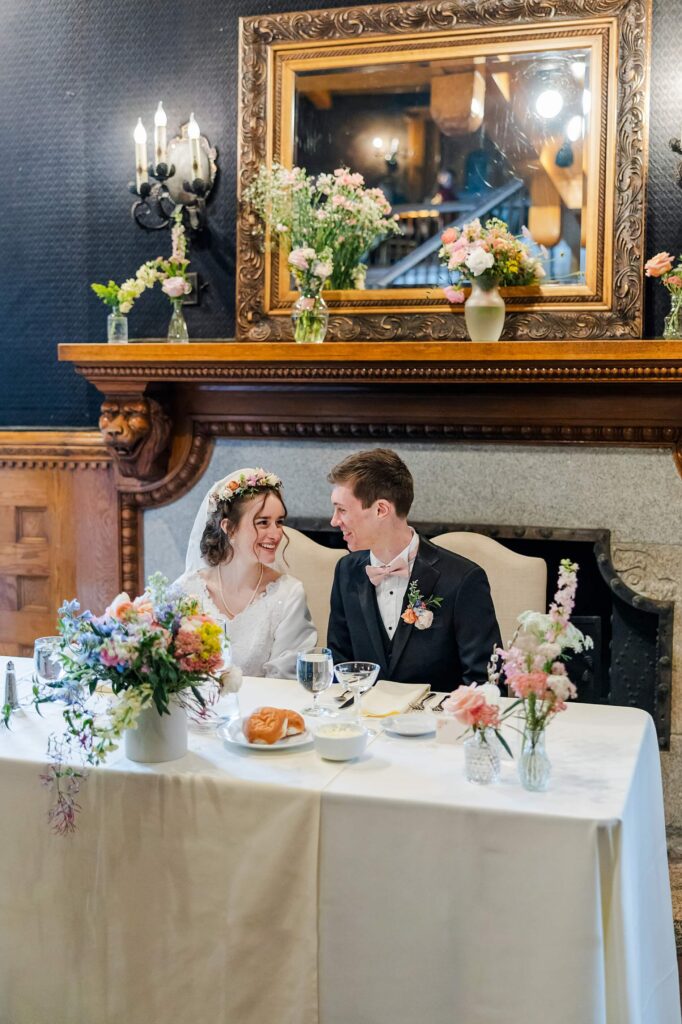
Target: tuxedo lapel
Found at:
x=370, y=612
x=425, y=573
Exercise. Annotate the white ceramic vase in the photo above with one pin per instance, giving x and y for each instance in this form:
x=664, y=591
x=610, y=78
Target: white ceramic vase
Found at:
x=157, y=737
x=484, y=312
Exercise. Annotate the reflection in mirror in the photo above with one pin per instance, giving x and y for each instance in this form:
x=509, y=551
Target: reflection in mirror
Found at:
x=448, y=140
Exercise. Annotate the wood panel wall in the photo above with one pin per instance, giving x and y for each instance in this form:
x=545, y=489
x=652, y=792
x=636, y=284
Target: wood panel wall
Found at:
x=59, y=531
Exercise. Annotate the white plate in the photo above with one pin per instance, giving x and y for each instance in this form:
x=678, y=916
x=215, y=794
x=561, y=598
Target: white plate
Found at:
x=231, y=732
x=416, y=723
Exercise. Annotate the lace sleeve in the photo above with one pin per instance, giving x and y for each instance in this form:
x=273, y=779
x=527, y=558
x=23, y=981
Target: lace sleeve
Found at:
x=294, y=632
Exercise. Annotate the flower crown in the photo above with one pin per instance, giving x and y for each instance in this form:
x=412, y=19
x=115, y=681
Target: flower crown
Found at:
x=243, y=486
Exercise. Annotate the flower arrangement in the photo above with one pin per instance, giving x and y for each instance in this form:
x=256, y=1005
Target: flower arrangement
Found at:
x=244, y=486
x=661, y=266
x=170, y=271
x=533, y=663
x=418, y=612
x=331, y=214
x=152, y=651
x=489, y=255
x=477, y=708
x=120, y=297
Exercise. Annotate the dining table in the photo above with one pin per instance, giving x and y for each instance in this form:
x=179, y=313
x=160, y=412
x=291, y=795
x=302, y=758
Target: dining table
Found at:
x=248, y=886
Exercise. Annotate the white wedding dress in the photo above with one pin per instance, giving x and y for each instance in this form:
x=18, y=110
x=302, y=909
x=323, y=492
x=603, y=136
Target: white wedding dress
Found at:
x=266, y=636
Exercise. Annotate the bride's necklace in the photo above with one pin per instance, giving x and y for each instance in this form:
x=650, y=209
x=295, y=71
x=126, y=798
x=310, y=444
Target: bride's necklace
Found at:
x=251, y=599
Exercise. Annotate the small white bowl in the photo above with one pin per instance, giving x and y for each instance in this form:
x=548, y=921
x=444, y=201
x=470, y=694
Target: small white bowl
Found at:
x=340, y=741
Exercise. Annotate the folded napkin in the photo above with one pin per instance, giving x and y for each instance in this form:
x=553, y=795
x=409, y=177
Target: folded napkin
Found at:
x=389, y=698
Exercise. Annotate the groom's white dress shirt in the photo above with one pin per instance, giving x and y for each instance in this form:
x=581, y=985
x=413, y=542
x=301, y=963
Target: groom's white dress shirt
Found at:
x=391, y=590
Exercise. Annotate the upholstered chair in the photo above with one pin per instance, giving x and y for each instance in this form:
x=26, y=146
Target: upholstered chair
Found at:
x=517, y=582
x=314, y=566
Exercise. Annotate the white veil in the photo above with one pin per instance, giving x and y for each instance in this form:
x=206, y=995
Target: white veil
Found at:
x=194, y=560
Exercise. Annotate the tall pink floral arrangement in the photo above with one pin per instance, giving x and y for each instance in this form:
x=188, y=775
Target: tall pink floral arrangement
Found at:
x=533, y=663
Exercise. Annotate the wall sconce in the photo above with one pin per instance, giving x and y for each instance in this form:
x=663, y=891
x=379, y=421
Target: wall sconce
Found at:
x=676, y=146
x=184, y=171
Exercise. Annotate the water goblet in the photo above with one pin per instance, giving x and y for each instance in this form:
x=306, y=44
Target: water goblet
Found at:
x=48, y=669
x=358, y=677
x=315, y=672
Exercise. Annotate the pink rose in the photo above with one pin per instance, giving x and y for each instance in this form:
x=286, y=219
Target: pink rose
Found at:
x=454, y=295
x=449, y=235
x=659, y=264
x=465, y=704
x=674, y=281
x=175, y=287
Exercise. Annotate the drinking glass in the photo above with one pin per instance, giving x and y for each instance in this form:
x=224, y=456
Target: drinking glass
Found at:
x=358, y=677
x=48, y=669
x=315, y=672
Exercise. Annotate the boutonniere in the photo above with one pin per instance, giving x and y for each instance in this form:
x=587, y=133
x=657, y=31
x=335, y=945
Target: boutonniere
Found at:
x=418, y=612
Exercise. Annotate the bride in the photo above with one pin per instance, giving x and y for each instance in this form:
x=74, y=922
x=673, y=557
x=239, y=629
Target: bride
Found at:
x=230, y=566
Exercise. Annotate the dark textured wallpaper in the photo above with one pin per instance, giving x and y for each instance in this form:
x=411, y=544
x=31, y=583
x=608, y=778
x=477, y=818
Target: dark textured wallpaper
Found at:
x=74, y=77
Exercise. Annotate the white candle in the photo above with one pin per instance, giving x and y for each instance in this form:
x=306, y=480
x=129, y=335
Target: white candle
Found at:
x=160, y=122
x=194, y=146
x=140, y=137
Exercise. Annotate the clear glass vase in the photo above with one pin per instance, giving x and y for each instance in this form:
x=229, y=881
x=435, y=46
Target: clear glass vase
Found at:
x=310, y=317
x=672, y=325
x=117, y=327
x=177, y=328
x=484, y=311
x=482, y=757
x=534, y=765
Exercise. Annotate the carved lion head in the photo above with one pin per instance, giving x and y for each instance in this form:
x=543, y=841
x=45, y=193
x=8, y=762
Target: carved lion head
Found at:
x=136, y=431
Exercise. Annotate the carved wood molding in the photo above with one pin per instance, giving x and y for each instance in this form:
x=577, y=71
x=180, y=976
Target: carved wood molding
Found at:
x=172, y=487
x=53, y=449
x=262, y=32
x=374, y=373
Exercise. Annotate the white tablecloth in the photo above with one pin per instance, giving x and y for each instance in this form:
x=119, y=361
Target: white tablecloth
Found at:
x=233, y=887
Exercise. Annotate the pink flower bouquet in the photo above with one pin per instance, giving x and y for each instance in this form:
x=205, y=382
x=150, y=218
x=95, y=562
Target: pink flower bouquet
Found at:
x=490, y=254
x=661, y=266
x=533, y=663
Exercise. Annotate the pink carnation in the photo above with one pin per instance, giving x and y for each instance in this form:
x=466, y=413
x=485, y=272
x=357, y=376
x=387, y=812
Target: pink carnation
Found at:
x=526, y=683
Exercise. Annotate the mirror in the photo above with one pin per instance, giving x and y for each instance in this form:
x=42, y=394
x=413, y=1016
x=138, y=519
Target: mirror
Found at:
x=523, y=121
x=450, y=140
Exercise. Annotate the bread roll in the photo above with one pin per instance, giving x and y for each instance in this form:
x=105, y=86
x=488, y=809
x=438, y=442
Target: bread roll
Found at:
x=268, y=725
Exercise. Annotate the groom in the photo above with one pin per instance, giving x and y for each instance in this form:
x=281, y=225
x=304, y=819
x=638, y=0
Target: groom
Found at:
x=385, y=590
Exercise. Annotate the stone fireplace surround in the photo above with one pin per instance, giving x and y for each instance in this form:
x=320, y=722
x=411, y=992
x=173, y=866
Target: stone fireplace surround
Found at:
x=632, y=492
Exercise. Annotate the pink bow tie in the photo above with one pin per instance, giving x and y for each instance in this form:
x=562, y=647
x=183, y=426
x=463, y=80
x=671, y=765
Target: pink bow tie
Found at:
x=377, y=573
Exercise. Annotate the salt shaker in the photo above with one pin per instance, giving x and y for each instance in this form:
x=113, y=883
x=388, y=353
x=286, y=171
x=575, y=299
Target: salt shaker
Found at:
x=11, y=697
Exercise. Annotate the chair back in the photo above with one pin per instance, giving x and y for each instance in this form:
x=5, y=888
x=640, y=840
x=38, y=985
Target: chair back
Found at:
x=518, y=583
x=314, y=565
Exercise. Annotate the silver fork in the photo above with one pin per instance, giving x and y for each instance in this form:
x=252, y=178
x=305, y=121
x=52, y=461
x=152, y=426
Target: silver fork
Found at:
x=438, y=708
x=420, y=704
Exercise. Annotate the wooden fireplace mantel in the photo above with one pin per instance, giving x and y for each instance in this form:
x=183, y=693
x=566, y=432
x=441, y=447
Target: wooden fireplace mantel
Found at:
x=163, y=405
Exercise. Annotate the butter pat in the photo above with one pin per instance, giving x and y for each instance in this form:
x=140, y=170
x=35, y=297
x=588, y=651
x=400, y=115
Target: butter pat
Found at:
x=448, y=729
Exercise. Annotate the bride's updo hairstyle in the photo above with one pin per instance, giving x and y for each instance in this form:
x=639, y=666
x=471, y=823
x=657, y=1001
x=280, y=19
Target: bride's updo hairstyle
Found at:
x=230, y=503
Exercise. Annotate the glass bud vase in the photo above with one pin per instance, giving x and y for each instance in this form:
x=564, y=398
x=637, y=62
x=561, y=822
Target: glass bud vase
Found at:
x=310, y=317
x=482, y=758
x=484, y=311
x=534, y=765
x=177, y=328
x=117, y=327
x=672, y=325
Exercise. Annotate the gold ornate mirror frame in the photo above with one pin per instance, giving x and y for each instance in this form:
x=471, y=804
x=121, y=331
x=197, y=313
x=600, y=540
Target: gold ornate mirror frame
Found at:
x=274, y=48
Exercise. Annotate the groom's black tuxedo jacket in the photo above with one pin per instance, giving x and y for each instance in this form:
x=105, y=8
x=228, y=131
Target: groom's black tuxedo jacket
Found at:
x=456, y=647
